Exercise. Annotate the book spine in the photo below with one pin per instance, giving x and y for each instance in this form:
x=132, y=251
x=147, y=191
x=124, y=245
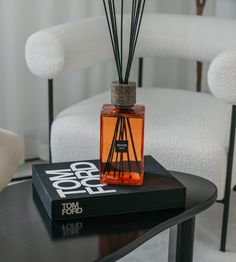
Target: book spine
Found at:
x=117, y=204
x=42, y=192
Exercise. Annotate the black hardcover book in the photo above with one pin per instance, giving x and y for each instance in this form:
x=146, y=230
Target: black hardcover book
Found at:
x=83, y=227
x=72, y=190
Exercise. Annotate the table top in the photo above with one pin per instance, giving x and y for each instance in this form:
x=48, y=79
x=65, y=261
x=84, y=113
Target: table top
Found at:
x=27, y=234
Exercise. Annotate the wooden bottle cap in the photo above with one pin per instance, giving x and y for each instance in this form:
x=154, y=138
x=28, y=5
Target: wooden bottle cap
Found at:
x=123, y=94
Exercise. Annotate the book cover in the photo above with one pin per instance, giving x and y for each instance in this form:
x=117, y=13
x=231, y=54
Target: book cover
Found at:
x=70, y=190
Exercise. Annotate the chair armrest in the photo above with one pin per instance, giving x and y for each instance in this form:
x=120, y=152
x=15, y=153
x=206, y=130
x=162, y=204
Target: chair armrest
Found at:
x=68, y=47
x=11, y=150
x=222, y=76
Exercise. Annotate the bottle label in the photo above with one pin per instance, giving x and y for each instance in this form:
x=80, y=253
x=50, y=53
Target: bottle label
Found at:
x=121, y=146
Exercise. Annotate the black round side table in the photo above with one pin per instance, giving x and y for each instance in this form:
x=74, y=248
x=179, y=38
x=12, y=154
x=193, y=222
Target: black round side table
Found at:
x=27, y=234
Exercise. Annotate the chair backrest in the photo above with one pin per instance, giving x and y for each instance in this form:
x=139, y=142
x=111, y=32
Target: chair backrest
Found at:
x=193, y=37
x=79, y=44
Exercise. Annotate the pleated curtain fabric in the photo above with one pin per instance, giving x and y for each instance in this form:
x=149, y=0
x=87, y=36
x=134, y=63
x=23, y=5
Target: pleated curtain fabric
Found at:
x=23, y=97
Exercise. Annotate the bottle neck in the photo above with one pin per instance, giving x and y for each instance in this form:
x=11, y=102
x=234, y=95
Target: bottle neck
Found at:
x=123, y=95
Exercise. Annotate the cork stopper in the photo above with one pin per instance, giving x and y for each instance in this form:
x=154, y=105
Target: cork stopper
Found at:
x=123, y=94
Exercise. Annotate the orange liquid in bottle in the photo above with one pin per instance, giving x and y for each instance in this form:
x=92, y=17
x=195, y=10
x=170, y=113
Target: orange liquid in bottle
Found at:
x=121, y=145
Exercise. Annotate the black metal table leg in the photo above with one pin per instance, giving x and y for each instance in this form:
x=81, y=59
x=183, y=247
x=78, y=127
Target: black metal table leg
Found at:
x=181, y=242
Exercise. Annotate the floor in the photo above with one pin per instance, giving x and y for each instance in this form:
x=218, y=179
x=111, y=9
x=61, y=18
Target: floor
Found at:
x=207, y=237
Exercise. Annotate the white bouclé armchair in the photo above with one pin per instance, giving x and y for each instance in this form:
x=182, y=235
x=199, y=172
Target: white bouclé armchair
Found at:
x=184, y=130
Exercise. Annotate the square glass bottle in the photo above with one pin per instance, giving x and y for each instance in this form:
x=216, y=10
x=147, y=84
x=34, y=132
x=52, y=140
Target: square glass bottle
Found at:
x=122, y=137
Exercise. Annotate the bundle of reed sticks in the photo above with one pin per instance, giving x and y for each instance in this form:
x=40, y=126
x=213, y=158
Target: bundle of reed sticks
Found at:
x=117, y=37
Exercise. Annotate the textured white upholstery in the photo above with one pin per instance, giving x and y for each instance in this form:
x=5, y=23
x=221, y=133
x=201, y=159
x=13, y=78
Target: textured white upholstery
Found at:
x=75, y=45
x=222, y=76
x=68, y=47
x=185, y=131
x=11, y=149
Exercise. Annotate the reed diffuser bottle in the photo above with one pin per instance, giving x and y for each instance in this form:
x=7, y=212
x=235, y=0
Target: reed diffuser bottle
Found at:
x=122, y=121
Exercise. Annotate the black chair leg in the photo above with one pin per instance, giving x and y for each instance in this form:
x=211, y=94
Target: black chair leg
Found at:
x=228, y=181
x=140, y=72
x=50, y=114
x=224, y=227
x=234, y=188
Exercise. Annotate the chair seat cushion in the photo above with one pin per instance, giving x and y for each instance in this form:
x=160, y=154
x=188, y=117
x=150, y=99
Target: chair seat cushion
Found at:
x=185, y=131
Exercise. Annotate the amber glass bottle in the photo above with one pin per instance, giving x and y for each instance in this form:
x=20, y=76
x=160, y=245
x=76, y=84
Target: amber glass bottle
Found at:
x=122, y=137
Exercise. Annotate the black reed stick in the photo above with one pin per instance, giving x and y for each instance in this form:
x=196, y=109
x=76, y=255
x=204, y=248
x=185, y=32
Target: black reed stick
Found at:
x=136, y=28
x=111, y=152
x=126, y=138
x=132, y=35
x=109, y=22
x=113, y=10
x=121, y=34
x=132, y=141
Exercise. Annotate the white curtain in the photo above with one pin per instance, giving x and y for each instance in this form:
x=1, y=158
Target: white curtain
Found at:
x=23, y=97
